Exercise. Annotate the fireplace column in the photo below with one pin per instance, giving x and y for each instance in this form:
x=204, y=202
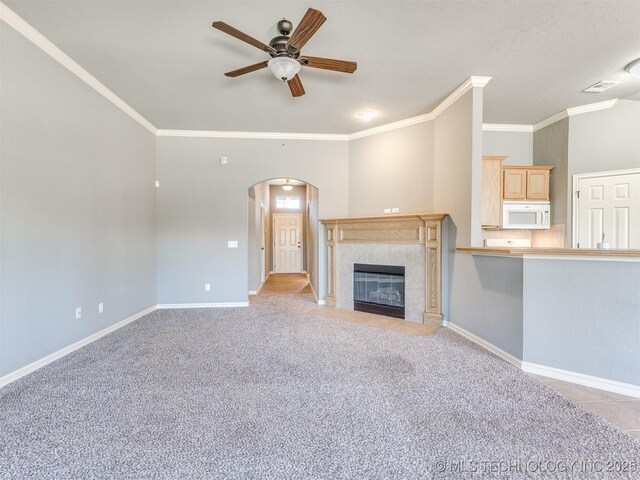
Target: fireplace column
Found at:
x=433, y=288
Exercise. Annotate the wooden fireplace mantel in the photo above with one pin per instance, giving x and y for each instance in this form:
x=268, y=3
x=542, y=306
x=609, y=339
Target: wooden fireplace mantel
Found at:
x=421, y=228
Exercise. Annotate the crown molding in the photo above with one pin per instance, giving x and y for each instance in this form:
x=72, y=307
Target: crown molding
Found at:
x=591, y=107
x=15, y=21
x=253, y=135
x=570, y=112
x=553, y=119
x=471, y=82
x=391, y=126
x=506, y=127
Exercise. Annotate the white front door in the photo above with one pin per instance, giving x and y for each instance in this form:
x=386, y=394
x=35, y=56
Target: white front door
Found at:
x=287, y=240
x=608, y=210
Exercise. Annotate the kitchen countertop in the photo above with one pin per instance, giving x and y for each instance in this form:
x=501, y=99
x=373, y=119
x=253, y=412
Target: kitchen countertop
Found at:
x=519, y=252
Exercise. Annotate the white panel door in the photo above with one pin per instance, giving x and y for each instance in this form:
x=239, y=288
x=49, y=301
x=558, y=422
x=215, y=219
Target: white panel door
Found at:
x=287, y=239
x=609, y=211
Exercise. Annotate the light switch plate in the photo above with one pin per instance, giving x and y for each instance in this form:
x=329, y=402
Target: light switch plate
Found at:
x=223, y=160
x=207, y=287
x=100, y=307
x=232, y=244
x=157, y=183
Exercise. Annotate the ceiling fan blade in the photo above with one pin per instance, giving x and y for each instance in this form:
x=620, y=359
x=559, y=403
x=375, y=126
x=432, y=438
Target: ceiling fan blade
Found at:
x=309, y=25
x=295, y=85
x=343, y=66
x=228, y=29
x=248, y=69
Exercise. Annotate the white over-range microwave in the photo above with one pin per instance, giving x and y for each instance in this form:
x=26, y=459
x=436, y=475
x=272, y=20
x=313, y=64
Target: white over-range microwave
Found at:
x=526, y=215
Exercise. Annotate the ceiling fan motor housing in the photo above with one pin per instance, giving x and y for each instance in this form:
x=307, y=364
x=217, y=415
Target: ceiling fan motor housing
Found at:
x=285, y=26
x=279, y=43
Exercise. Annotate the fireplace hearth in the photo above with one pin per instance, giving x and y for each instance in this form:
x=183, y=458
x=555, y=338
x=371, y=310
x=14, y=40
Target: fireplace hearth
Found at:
x=379, y=289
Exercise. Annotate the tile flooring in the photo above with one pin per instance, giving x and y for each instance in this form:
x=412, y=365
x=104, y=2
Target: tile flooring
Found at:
x=622, y=411
x=376, y=321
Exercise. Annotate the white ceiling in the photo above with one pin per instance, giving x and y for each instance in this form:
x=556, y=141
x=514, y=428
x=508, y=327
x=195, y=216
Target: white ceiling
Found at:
x=166, y=61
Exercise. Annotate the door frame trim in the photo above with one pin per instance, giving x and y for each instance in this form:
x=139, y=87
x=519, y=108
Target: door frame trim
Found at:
x=273, y=232
x=574, y=200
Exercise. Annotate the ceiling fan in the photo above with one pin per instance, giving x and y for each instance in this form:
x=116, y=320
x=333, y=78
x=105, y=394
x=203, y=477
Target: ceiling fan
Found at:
x=284, y=50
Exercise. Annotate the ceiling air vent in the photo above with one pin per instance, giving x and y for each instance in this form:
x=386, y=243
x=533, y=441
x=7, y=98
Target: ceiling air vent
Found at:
x=601, y=86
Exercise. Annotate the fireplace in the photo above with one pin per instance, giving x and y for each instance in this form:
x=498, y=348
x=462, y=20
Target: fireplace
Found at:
x=378, y=289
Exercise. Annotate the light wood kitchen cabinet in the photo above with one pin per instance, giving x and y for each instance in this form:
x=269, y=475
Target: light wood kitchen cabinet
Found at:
x=538, y=184
x=514, y=184
x=526, y=183
x=492, y=191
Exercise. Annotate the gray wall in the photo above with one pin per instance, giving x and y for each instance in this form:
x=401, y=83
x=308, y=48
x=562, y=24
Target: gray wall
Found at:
x=77, y=199
x=452, y=166
x=452, y=132
x=392, y=170
x=483, y=297
x=551, y=147
x=259, y=198
x=605, y=140
x=202, y=204
x=487, y=299
x=517, y=145
x=594, y=330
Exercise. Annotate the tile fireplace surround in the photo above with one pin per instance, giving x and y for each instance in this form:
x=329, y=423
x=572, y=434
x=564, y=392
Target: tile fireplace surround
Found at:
x=413, y=241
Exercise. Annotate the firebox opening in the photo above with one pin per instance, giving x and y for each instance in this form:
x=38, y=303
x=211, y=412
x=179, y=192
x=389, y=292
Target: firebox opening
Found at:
x=379, y=289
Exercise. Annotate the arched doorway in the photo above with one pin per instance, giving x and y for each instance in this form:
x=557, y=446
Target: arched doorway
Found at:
x=283, y=231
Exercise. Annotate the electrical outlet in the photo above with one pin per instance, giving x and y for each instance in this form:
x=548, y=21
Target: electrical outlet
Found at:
x=232, y=244
x=157, y=183
x=207, y=287
x=223, y=160
x=387, y=210
x=395, y=210
x=78, y=313
x=100, y=307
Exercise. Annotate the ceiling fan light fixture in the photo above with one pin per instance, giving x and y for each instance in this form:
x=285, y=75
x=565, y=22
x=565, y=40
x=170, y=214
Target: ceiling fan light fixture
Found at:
x=287, y=187
x=634, y=68
x=284, y=68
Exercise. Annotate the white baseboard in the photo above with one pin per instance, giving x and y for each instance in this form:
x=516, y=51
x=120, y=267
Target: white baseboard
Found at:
x=486, y=345
x=313, y=290
x=582, y=379
x=315, y=295
x=27, y=369
x=600, y=383
x=164, y=306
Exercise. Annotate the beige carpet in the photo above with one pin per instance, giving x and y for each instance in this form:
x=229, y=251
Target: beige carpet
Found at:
x=276, y=391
